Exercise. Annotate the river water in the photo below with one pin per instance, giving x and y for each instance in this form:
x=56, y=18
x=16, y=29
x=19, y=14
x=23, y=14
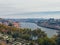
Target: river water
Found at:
x=50, y=32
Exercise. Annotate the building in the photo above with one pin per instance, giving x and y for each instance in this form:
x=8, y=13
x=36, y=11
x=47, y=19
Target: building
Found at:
x=15, y=24
x=6, y=23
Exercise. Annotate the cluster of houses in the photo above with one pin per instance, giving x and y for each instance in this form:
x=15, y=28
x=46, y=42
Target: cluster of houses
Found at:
x=9, y=22
x=50, y=23
x=7, y=40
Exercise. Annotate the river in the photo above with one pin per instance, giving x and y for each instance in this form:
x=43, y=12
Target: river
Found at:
x=50, y=32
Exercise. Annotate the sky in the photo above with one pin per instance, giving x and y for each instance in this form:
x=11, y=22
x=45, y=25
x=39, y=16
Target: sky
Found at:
x=29, y=8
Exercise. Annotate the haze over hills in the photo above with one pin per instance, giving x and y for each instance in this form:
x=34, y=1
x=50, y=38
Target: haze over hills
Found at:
x=48, y=14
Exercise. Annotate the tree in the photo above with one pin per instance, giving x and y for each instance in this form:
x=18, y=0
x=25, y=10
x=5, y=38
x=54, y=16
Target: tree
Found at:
x=46, y=41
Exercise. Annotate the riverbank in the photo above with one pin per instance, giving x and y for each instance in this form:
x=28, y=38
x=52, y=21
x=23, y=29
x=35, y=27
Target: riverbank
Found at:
x=33, y=26
x=48, y=27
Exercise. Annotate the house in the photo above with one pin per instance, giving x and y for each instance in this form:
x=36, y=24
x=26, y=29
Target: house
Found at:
x=0, y=22
x=17, y=43
x=1, y=35
x=34, y=37
x=3, y=43
x=15, y=24
x=6, y=23
x=5, y=37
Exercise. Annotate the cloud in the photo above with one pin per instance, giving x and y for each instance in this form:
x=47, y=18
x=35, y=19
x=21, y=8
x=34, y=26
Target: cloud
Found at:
x=14, y=7
x=31, y=5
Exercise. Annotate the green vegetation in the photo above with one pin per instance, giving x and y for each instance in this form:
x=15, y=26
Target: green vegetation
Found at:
x=27, y=35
